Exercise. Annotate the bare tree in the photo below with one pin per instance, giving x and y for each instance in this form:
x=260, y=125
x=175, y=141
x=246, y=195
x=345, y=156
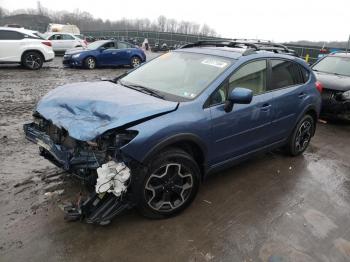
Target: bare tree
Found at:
x=86, y=22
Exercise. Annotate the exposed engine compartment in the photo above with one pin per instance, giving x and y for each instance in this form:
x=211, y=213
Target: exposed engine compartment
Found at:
x=100, y=162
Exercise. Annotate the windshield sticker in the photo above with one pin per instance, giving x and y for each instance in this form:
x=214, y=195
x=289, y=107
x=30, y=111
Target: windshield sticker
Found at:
x=189, y=94
x=213, y=62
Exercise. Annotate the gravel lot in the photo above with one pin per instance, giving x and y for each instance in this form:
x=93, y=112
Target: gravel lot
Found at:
x=271, y=208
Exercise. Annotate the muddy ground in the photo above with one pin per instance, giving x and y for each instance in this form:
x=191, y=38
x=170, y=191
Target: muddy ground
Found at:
x=271, y=208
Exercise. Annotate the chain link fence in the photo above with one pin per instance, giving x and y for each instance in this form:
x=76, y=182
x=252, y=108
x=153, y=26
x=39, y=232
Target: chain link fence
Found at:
x=310, y=53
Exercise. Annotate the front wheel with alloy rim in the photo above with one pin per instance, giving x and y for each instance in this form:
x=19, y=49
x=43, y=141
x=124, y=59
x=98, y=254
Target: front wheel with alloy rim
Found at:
x=90, y=63
x=301, y=136
x=169, y=185
x=135, y=61
x=32, y=60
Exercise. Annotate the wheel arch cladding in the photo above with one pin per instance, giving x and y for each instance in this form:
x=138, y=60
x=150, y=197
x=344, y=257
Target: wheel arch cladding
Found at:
x=187, y=142
x=310, y=110
x=33, y=50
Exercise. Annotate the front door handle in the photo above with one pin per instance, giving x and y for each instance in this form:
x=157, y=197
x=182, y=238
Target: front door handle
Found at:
x=265, y=107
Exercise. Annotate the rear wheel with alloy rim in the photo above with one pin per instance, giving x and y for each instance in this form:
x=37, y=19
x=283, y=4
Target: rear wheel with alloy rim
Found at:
x=90, y=63
x=32, y=60
x=135, y=61
x=301, y=136
x=169, y=186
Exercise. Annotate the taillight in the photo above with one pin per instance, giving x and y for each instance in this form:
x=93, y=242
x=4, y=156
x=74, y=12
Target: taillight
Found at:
x=85, y=42
x=319, y=86
x=48, y=43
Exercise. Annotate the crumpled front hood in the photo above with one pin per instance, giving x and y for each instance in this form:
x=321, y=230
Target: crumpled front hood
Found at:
x=334, y=82
x=89, y=109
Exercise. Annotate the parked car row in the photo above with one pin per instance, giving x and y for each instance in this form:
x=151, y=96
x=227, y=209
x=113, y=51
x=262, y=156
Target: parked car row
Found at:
x=32, y=49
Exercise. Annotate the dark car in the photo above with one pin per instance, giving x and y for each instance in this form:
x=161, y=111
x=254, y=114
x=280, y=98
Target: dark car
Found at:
x=151, y=136
x=333, y=72
x=104, y=53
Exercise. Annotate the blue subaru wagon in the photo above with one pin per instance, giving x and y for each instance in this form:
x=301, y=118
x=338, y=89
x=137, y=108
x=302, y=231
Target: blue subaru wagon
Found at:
x=104, y=53
x=146, y=139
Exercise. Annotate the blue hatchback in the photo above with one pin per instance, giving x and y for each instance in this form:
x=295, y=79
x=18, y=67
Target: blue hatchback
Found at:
x=104, y=53
x=151, y=136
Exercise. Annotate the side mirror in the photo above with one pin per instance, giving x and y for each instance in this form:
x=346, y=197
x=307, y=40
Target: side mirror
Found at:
x=102, y=48
x=238, y=95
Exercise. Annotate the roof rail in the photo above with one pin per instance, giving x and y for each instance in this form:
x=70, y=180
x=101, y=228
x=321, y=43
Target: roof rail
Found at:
x=221, y=43
x=251, y=45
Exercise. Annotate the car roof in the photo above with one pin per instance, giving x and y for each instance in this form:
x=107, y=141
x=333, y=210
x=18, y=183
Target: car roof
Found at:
x=20, y=30
x=340, y=54
x=61, y=33
x=235, y=49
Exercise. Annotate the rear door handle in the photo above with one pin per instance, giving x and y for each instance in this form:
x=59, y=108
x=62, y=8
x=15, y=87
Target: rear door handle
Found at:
x=301, y=95
x=265, y=107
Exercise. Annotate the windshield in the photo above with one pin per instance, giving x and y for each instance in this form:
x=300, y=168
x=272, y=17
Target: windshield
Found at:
x=95, y=45
x=334, y=65
x=179, y=74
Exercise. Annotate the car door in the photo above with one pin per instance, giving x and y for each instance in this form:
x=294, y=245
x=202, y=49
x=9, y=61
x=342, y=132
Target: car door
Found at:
x=107, y=52
x=124, y=54
x=68, y=41
x=287, y=86
x=247, y=127
x=57, y=41
x=10, y=46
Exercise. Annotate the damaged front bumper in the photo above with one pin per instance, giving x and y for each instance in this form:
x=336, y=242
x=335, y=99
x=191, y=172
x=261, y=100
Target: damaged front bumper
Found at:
x=62, y=157
x=111, y=197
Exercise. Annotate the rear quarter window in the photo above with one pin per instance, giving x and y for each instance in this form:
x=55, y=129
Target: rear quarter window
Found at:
x=10, y=35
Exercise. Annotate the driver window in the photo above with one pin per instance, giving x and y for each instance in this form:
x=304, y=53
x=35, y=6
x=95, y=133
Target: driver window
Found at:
x=251, y=76
x=108, y=45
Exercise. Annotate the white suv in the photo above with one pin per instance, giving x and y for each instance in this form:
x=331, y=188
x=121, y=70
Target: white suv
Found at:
x=18, y=45
x=64, y=41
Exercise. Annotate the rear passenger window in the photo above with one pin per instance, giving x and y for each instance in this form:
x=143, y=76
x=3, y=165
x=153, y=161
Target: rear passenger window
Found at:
x=251, y=76
x=10, y=35
x=67, y=37
x=122, y=45
x=284, y=73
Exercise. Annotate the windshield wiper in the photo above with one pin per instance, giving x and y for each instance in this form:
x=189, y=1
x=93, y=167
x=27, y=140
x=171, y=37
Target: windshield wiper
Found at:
x=142, y=89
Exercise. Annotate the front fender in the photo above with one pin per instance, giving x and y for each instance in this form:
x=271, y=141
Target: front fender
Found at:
x=160, y=132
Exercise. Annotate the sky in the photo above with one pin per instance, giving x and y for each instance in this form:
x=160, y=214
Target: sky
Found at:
x=314, y=20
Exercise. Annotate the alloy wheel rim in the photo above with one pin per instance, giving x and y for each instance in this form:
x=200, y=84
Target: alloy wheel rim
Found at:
x=33, y=61
x=303, y=136
x=91, y=63
x=135, y=62
x=168, y=187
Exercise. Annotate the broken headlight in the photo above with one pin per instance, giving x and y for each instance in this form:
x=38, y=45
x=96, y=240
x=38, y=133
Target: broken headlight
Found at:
x=123, y=138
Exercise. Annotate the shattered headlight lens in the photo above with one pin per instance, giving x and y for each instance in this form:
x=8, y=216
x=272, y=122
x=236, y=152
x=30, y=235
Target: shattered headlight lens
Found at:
x=346, y=95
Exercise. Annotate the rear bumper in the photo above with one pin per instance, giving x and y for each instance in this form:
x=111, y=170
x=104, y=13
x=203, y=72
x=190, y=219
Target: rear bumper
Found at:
x=57, y=154
x=49, y=56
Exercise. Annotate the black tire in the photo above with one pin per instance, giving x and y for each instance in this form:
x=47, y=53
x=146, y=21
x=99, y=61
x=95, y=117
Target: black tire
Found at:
x=32, y=60
x=90, y=63
x=157, y=188
x=135, y=61
x=301, y=136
